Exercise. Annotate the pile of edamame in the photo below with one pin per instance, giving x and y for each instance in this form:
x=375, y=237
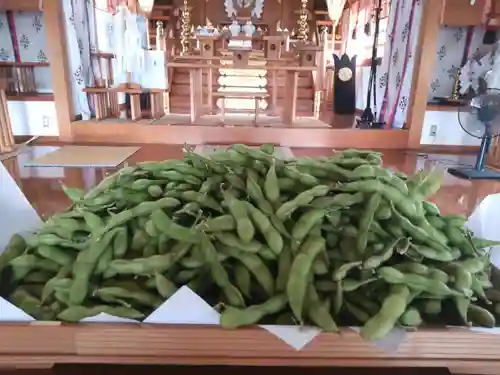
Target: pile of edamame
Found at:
x=326, y=241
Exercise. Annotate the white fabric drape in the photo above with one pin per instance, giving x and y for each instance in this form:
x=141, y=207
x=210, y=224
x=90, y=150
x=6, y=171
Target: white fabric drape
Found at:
x=395, y=75
x=335, y=8
x=79, y=16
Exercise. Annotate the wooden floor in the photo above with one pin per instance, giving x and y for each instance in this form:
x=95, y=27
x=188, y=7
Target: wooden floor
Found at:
x=42, y=188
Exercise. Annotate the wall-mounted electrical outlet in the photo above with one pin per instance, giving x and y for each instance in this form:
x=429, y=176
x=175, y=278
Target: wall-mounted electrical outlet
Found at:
x=433, y=131
x=46, y=121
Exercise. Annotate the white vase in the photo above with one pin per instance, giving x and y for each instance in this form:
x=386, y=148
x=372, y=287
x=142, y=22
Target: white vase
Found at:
x=249, y=29
x=235, y=29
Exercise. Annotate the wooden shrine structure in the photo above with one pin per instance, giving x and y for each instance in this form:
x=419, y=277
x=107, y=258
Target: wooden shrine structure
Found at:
x=269, y=85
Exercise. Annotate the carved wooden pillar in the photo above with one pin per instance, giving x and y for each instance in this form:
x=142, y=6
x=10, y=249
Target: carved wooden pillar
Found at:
x=6, y=137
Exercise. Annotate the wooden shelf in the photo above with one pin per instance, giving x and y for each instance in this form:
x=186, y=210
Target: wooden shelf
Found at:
x=49, y=343
x=442, y=107
x=33, y=64
x=27, y=5
x=31, y=97
x=462, y=13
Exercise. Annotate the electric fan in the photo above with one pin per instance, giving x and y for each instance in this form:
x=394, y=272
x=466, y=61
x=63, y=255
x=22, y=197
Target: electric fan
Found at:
x=480, y=119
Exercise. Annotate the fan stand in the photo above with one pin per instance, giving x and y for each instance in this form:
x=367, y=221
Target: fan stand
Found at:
x=479, y=172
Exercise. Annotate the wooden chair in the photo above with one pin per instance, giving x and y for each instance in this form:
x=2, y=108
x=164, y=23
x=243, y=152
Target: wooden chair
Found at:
x=105, y=102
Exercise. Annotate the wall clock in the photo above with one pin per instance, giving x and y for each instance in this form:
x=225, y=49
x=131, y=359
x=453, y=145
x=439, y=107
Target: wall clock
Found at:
x=344, y=85
x=345, y=74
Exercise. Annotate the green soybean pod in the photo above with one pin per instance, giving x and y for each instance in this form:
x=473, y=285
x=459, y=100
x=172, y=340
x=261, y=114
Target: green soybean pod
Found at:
x=48, y=288
x=318, y=312
x=219, y=224
x=155, y=191
x=84, y=266
x=175, y=231
x=268, y=148
x=271, y=184
x=15, y=247
x=401, y=201
x=430, y=184
x=219, y=274
x=264, y=225
x=139, y=240
x=231, y=240
x=299, y=273
x=287, y=184
x=480, y=316
x=243, y=281
x=361, y=315
x=383, y=212
x=211, y=183
x=237, y=208
x=233, y=317
x=341, y=272
x=93, y=221
x=376, y=260
x=140, y=297
x=120, y=243
x=22, y=266
x=307, y=222
x=104, y=261
x=433, y=254
x=284, y=266
x=432, y=306
x=144, y=208
x=463, y=278
x=256, y=267
x=302, y=199
x=56, y=254
x=431, y=208
x=366, y=221
x=164, y=286
x=350, y=285
x=411, y=318
x=437, y=274
x=150, y=265
x=437, y=222
x=393, y=306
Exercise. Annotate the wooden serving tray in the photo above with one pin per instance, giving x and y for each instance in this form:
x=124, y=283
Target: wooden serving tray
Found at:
x=43, y=344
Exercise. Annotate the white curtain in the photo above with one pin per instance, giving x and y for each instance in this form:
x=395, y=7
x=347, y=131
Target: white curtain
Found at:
x=81, y=41
x=335, y=8
x=394, y=77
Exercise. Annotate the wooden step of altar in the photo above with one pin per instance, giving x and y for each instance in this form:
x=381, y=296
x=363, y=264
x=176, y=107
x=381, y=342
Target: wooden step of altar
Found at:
x=180, y=105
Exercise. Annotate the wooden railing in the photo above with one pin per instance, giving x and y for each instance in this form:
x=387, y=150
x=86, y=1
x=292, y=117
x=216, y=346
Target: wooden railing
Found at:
x=19, y=78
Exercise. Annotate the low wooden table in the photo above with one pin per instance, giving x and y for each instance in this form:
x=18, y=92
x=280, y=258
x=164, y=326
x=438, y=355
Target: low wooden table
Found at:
x=257, y=96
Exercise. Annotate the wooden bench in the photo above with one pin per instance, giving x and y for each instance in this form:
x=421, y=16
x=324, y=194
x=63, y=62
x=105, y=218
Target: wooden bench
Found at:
x=257, y=96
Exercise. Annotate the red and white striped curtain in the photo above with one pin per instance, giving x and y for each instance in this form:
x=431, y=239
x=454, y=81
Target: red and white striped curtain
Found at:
x=335, y=8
